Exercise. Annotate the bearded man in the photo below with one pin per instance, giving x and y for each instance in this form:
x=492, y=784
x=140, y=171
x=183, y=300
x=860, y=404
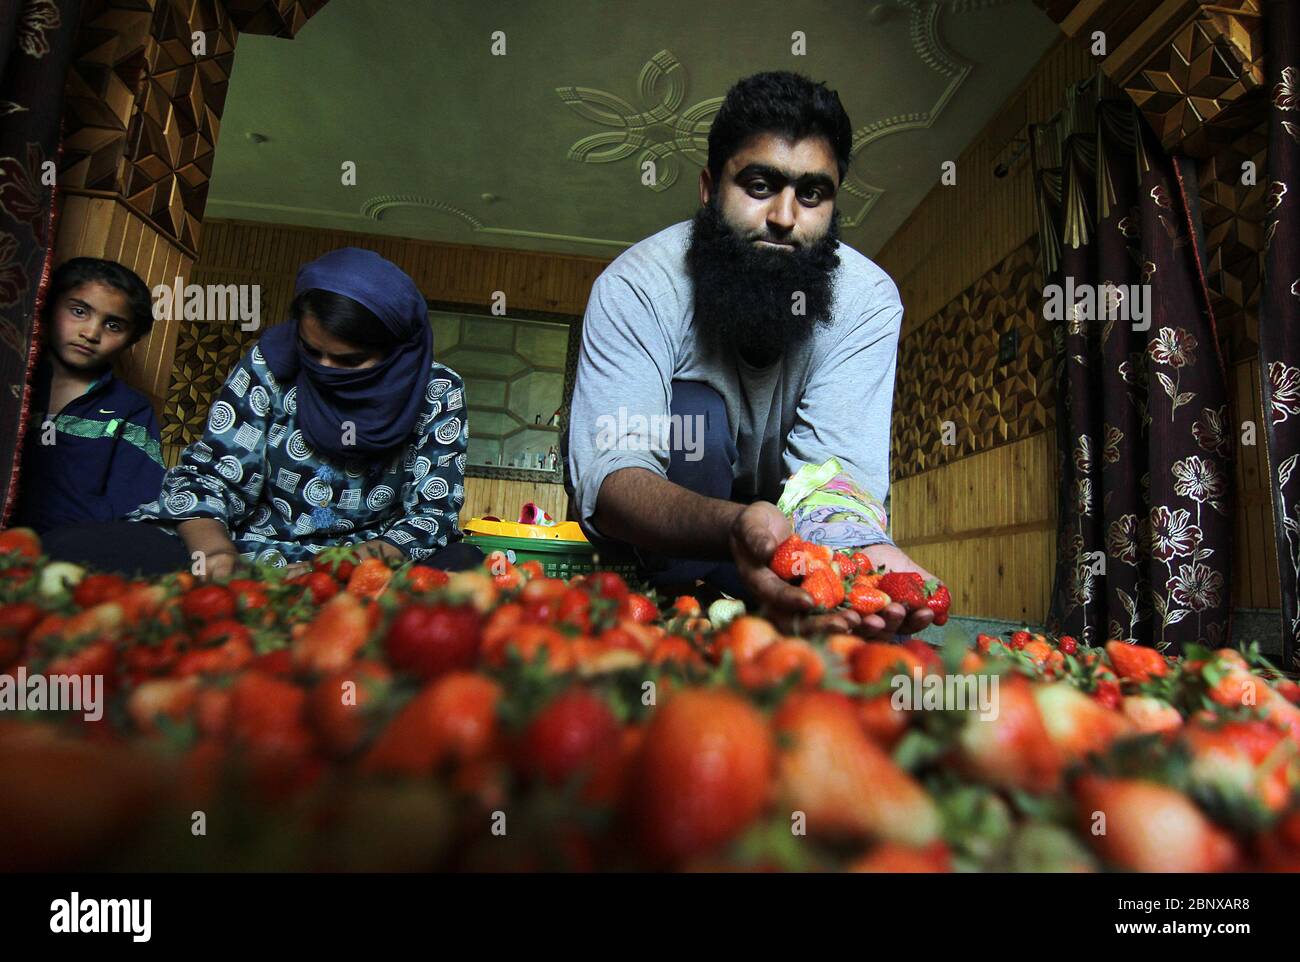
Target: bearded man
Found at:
x=756, y=322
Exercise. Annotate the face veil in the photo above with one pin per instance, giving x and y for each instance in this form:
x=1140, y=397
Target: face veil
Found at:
x=379, y=403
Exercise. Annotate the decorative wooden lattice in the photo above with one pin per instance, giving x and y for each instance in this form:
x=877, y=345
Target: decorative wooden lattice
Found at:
x=145, y=97
x=205, y=354
x=1233, y=192
x=950, y=385
x=1194, y=88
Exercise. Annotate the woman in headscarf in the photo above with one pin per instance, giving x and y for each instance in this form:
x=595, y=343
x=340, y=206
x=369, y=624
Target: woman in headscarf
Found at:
x=337, y=428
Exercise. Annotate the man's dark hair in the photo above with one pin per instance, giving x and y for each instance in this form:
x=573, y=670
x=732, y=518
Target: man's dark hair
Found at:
x=71, y=274
x=783, y=103
x=343, y=317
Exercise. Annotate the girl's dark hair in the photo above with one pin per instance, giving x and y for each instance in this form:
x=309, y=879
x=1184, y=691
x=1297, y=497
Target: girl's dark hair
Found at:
x=71, y=274
x=343, y=317
x=783, y=103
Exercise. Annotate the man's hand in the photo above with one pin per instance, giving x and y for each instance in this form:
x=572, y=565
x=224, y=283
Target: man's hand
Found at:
x=755, y=533
x=894, y=619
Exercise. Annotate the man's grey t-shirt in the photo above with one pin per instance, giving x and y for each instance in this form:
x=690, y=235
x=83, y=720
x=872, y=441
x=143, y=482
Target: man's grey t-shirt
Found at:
x=831, y=396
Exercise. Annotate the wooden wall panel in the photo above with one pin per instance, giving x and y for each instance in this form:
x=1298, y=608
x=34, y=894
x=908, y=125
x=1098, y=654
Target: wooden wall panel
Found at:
x=270, y=254
x=1255, y=580
x=985, y=524
x=503, y=499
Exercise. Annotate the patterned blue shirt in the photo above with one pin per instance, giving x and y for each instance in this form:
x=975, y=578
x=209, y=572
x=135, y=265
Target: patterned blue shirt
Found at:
x=283, y=502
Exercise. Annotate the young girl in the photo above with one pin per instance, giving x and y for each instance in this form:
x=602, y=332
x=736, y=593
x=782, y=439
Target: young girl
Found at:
x=338, y=427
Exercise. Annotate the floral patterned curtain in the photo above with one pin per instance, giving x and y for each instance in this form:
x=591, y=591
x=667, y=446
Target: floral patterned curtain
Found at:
x=35, y=50
x=1144, y=447
x=1279, y=309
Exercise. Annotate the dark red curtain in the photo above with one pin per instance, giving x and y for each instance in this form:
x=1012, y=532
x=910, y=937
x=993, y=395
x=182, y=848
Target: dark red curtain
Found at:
x=35, y=50
x=1279, y=308
x=1144, y=447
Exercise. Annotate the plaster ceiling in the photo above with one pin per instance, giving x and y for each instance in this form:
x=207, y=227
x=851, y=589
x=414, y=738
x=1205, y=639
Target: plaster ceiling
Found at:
x=543, y=148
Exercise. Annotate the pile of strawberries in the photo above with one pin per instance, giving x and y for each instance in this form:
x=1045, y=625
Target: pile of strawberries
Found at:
x=364, y=718
x=850, y=579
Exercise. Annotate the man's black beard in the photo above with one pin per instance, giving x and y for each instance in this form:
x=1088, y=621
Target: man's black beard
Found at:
x=744, y=294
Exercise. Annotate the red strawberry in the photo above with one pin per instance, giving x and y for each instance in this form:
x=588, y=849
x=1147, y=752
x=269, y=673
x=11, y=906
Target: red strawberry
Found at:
x=844, y=561
x=639, y=608
x=230, y=656
x=370, y=578
x=937, y=599
x=421, y=579
x=16, y=622
x=1077, y=725
x=1136, y=663
x=744, y=638
x=826, y=588
x=430, y=640
x=20, y=542
x=904, y=588
x=278, y=662
x=866, y=600
x=1108, y=693
x=881, y=721
x=144, y=661
x=846, y=786
x=893, y=858
x=575, y=610
x=873, y=660
x=250, y=595
x=319, y=585
x=338, y=706
x=98, y=658
x=1149, y=827
x=607, y=584
x=334, y=636
x=1013, y=750
x=1150, y=715
x=1019, y=639
x=573, y=733
x=339, y=570
x=454, y=717
x=161, y=697
x=263, y=708
x=220, y=632
x=703, y=773
x=208, y=603
x=795, y=558
x=781, y=659
x=1244, y=757
x=687, y=605
x=1067, y=645
x=504, y=574
x=96, y=589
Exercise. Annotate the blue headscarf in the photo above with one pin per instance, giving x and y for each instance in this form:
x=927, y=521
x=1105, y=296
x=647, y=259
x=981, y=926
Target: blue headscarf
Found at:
x=383, y=401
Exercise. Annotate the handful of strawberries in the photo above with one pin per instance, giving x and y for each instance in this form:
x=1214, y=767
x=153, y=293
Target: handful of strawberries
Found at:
x=850, y=579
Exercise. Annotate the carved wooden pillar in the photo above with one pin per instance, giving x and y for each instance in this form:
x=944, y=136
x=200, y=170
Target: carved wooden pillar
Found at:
x=144, y=102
